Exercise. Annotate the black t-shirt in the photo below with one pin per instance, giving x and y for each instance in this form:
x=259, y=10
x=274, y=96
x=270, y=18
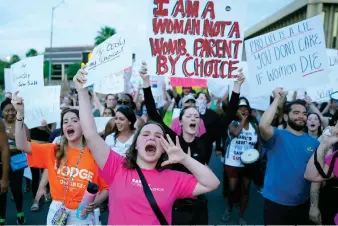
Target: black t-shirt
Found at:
x=40, y=135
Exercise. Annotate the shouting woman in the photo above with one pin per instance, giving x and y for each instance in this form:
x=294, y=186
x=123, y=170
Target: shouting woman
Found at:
x=142, y=191
x=70, y=166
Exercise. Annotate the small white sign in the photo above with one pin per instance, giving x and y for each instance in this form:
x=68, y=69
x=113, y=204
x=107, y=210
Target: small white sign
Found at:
x=110, y=57
x=8, y=80
x=41, y=104
x=27, y=73
x=111, y=83
x=157, y=83
x=101, y=123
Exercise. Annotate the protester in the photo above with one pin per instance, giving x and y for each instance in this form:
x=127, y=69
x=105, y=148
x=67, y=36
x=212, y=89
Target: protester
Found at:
x=122, y=135
x=151, y=152
x=189, y=211
x=15, y=176
x=286, y=192
x=243, y=135
x=4, y=172
x=323, y=166
x=60, y=159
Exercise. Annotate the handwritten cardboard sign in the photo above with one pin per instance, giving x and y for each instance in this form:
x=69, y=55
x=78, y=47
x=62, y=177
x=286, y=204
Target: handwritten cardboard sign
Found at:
x=8, y=80
x=110, y=57
x=27, y=73
x=110, y=83
x=41, y=104
x=196, y=38
x=292, y=57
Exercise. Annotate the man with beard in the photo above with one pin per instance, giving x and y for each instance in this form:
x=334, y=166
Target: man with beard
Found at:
x=286, y=192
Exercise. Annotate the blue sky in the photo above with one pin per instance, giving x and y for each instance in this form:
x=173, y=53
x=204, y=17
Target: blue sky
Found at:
x=26, y=24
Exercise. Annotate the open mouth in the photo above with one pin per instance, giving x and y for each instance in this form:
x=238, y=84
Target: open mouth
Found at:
x=150, y=148
x=312, y=125
x=70, y=132
x=192, y=125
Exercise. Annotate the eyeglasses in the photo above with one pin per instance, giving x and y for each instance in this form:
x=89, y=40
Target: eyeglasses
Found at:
x=123, y=102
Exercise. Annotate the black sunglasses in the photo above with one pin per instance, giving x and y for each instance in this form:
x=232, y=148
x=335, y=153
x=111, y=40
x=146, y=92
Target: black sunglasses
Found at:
x=123, y=102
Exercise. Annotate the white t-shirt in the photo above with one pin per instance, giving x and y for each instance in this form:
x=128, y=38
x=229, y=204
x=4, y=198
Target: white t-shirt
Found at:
x=117, y=146
x=246, y=140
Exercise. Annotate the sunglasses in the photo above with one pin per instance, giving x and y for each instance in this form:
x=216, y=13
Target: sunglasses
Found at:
x=123, y=102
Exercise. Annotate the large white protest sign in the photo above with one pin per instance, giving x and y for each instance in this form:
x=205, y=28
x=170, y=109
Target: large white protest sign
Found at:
x=292, y=57
x=27, y=73
x=321, y=93
x=110, y=57
x=101, y=123
x=41, y=104
x=8, y=80
x=196, y=38
x=157, y=84
x=111, y=83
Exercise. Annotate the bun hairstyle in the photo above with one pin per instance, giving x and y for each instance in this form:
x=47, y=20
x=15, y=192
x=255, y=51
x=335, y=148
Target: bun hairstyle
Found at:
x=60, y=149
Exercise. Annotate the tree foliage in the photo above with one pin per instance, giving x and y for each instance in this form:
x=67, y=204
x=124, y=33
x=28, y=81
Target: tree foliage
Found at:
x=104, y=33
x=31, y=53
x=14, y=59
x=72, y=70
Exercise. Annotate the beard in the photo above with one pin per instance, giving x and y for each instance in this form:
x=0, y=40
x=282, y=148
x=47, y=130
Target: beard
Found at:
x=295, y=126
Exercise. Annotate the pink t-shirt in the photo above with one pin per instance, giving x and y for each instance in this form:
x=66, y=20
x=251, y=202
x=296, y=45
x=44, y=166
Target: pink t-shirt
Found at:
x=177, y=128
x=127, y=201
x=328, y=162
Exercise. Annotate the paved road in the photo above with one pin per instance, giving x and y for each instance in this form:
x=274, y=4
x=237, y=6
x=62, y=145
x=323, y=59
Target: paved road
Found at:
x=217, y=204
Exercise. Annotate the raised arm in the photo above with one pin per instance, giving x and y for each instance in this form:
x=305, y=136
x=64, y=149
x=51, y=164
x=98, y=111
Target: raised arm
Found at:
x=150, y=102
x=5, y=158
x=329, y=138
x=21, y=130
x=207, y=180
x=265, y=126
x=99, y=149
x=314, y=109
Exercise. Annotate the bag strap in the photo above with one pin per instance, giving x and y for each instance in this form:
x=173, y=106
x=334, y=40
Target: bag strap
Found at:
x=320, y=169
x=151, y=198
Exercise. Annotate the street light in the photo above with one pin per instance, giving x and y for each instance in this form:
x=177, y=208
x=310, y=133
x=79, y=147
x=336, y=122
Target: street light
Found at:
x=51, y=40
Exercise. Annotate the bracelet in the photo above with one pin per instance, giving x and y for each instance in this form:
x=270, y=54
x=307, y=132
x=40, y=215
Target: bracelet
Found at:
x=20, y=120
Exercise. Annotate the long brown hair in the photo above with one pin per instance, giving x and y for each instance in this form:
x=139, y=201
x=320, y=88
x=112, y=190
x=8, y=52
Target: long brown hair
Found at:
x=60, y=149
x=131, y=154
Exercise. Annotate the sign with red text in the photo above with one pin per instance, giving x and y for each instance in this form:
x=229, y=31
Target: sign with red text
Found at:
x=27, y=73
x=293, y=57
x=110, y=57
x=196, y=38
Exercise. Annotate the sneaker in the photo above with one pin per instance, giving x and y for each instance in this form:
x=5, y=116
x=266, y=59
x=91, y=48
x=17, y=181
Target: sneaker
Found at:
x=2, y=221
x=226, y=216
x=20, y=218
x=241, y=221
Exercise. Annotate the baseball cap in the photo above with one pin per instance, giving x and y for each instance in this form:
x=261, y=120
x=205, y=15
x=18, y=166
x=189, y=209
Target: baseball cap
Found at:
x=187, y=98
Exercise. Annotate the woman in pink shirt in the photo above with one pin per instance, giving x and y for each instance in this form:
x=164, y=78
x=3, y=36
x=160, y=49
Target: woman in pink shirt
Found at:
x=149, y=153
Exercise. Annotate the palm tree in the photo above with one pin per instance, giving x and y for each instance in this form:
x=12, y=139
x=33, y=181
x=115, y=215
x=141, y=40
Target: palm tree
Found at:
x=14, y=59
x=31, y=53
x=105, y=33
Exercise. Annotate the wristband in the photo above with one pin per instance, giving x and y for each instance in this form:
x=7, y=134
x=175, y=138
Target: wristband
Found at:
x=20, y=120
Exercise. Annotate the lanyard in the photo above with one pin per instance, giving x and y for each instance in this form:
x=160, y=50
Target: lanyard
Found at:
x=67, y=185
